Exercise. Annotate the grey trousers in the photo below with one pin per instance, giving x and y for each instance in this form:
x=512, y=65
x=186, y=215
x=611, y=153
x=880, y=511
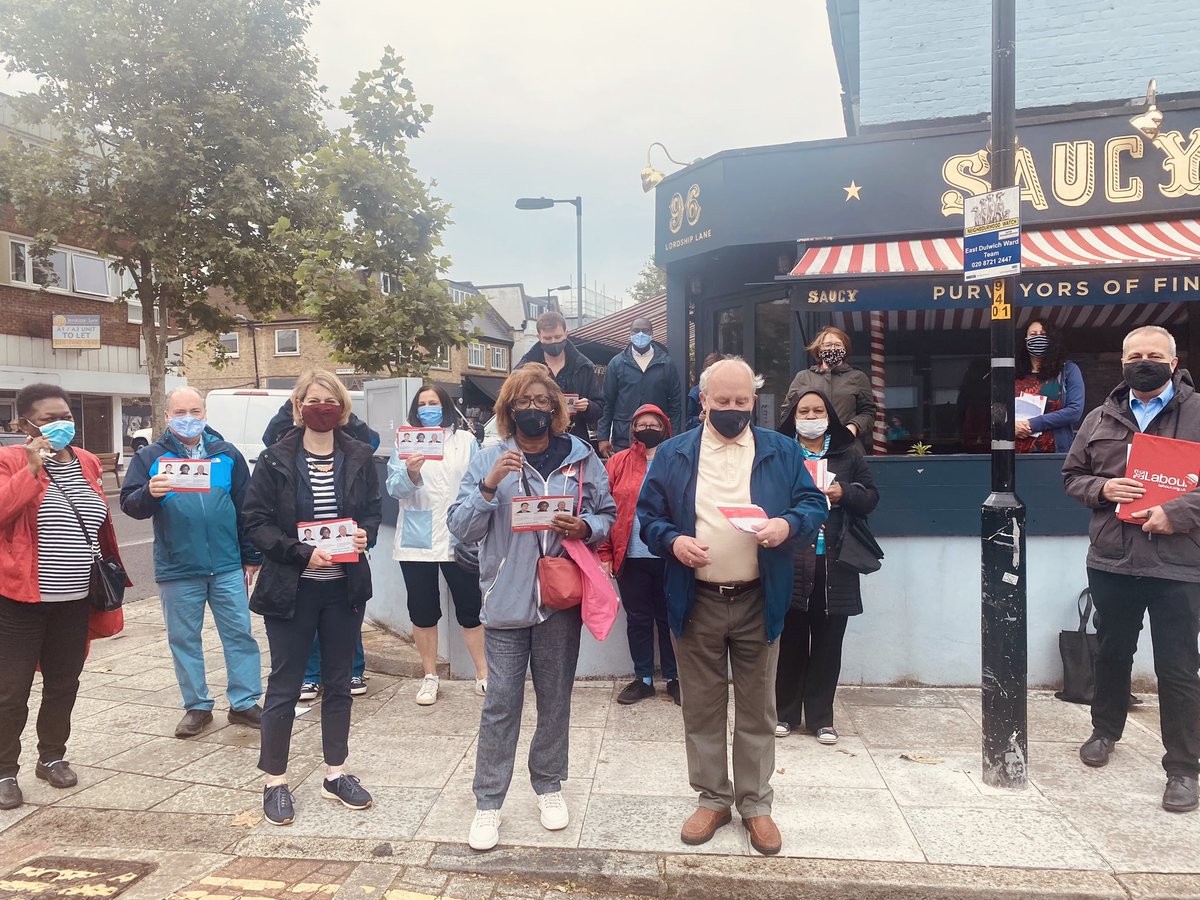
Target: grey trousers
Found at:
x=550, y=651
x=721, y=634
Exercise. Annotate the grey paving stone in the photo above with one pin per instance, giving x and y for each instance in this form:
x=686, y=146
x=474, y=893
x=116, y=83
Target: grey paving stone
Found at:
x=207, y=799
x=649, y=720
x=84, y=707
x=588, y=870
x=1160, y=887
x=368, y=880
x=394, y=815
x=90, y=748
x=622, y=822
x=1025, y=838
x=41, y=793
x=1058, y=773
x=277, y=843
x=924, y=730
x=132, y=718
x=10, y=817
x=456, y=711
x=642, y=768
x=801, y=760
x=124, y=790
x=824, y=822
x=954, y=781
x=469, y=887
x=1134, y=833
x=854, y=695
x=406, y=759
x=70, y=828
x=158, y=756
x=234, y=767
x=150, y=678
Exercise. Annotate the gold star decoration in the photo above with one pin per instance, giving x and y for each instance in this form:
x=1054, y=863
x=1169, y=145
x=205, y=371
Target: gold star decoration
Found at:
x=852, y=191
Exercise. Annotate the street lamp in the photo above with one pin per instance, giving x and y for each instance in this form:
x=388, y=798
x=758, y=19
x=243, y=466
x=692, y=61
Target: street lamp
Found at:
x=546, y=203
x=553, y=292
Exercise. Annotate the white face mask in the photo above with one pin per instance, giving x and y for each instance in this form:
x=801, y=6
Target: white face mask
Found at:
x=811, y=428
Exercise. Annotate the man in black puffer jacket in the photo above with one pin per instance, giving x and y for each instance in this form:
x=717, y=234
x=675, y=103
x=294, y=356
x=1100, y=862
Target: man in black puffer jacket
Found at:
x=572, y=371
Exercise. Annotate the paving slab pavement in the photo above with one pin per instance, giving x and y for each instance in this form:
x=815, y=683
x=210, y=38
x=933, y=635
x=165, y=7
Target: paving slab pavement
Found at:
x=897, y=809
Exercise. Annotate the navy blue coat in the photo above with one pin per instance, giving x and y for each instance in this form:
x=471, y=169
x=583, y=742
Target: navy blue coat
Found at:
x=627, y=389
x=779, y=483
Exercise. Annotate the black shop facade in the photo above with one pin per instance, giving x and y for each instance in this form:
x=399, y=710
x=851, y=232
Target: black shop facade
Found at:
x=764, y=246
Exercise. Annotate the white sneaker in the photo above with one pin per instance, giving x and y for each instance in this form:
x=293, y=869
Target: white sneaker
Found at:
x=428, y=691
x=485, y=829
x=554, y=811
x=481, y=687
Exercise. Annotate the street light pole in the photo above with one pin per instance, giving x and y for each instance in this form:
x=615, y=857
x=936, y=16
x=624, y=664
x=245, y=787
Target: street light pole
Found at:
x=546, y=203
x=1003, y=621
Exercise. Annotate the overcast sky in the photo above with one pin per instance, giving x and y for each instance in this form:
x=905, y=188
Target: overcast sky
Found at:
x=560, y=99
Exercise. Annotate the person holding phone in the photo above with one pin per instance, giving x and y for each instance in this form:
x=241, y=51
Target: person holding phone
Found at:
x=46, y=488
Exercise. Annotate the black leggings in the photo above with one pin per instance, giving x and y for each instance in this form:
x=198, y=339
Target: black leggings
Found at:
x=425, y=599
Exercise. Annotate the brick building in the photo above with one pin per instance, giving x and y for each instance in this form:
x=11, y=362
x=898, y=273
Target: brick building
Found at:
x=108, y=383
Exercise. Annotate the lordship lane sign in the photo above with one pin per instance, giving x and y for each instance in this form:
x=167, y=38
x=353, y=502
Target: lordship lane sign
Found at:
x=992, y=235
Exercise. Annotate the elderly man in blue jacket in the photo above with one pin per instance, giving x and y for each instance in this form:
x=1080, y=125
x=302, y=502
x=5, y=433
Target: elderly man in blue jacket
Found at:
x=202, y=557
x=727, y=590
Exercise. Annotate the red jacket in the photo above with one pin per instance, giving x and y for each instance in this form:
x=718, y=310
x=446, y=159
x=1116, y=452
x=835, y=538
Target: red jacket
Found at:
x=626, y=471
x=20, y=497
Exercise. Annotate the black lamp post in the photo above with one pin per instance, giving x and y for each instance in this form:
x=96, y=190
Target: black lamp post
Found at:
x=546, y=203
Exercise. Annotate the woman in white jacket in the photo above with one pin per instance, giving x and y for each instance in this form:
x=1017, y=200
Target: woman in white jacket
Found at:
x=425, y=488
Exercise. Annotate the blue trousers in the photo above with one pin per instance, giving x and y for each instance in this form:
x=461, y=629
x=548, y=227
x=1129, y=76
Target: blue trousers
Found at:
x=312, y=672
x=183, y=603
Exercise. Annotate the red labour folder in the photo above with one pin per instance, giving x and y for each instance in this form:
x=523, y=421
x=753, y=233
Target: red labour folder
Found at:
x=1166, y=467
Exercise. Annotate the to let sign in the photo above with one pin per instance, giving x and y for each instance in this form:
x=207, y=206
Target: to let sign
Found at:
x=75, y=332
x=992, y=234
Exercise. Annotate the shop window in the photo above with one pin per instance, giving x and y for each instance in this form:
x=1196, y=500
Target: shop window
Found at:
x=476, y=357
x=287, y=342
x=231, y=341
x=772, y=357
x=500, y=359
x=730, y=332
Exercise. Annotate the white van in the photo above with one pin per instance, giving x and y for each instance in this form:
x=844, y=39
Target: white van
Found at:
x=241, y=415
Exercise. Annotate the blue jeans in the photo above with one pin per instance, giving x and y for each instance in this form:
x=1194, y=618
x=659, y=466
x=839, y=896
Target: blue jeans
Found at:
x=312, y=672
x=183, y=602
x=550, y=651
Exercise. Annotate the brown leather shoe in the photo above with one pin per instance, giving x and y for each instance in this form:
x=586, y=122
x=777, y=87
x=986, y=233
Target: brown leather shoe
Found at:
x=703, y=824
x=764, y=835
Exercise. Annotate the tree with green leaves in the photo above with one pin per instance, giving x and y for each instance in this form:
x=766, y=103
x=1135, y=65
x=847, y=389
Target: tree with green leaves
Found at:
x=373, y=284
x=180, y=123
x=651, y=283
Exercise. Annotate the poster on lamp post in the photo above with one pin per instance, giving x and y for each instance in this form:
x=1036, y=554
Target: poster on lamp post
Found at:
x=75, y=332
x=992, y=235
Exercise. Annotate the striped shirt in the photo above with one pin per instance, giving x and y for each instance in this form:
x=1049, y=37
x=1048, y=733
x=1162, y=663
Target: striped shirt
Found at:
x=320, y=476
x=64, y=554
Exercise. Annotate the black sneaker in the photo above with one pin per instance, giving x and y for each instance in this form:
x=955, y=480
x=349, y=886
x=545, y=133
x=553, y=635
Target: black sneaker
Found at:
x=673, y=691
x=10, y=793
x=346, y=789
x=309, y=690
x=277, y=805
x=58, y=773
x=635, y=691
x=358, y=686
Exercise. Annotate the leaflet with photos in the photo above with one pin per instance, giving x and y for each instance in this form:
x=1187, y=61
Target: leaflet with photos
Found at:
x=186, y=475
x=334, y=536
x=746, y=519
x=429, y=442
x=537, y=513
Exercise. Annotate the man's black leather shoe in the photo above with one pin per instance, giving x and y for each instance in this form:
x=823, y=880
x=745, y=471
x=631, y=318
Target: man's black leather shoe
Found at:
x=58, y=773
x=1181, y=794
x=10, y=794
x=1096, y=751
x=193, y=723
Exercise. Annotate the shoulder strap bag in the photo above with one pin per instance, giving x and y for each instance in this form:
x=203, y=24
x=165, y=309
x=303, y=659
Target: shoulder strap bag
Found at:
x=106, y=587
x=859, y=550
x=559, y=580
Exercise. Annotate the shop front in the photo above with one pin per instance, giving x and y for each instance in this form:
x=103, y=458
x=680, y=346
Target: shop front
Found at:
x=765, y=246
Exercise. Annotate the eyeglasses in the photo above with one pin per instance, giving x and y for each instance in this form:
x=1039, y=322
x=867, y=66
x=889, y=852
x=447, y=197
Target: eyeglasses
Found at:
x=647, y=428
x=541, y=401
x=313, y=401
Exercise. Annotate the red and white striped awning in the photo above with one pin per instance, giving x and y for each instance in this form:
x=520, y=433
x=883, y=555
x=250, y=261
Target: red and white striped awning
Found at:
x=1138, y=243
x=962, y=318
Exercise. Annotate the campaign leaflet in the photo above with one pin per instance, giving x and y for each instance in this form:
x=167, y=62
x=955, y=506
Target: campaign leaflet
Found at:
x=819, y=470
x=186, y=476
x=745, y=518
x=429, y=442
x=571, y=398
x=334, y=536
x=537, y=513
x=1166, y=467
x=1029, y=406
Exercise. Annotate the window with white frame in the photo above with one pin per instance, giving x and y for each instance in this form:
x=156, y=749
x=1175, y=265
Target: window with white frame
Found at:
x=458, y=295
x=500, y=359
x=476, y=357
x=231, y=341
x=387, y=283
x=287, y=342
x=62, y=270
x=440, y=359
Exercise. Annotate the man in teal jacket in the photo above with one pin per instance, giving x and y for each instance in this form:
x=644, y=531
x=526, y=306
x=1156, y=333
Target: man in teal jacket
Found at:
x=201, y=558
x=728, y=590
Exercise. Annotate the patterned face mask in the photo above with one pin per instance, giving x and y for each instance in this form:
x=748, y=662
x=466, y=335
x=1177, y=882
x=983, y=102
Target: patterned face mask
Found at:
x=831, y=356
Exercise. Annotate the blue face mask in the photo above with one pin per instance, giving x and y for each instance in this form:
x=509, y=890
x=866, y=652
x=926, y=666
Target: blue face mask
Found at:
x=430, y=416
x=59, y=433
x=187, y=427
x=641, y=340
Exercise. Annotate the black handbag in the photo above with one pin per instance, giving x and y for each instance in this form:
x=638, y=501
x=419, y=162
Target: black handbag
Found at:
x=859, y=550
x=106, y=586
x=1078, y=650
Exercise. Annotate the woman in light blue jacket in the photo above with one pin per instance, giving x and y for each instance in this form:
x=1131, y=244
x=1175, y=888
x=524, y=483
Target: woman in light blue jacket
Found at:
x=425, y=488
x=536, y=458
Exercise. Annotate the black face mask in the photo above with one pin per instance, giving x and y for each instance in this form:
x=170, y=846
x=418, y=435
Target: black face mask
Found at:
x=1146, y=375
x=532, y=422
x=651, y=437
x=729, y=422
x=555, y=349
